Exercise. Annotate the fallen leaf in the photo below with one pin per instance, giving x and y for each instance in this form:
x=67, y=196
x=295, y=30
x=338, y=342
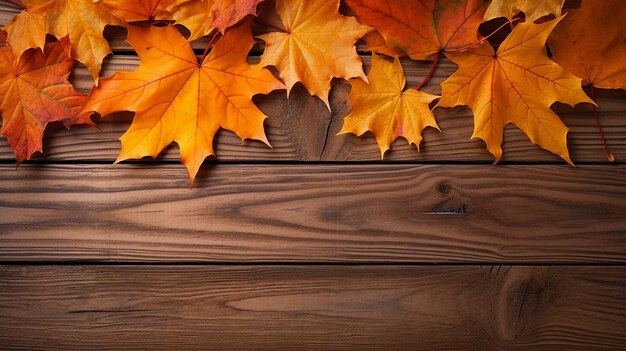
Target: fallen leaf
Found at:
x=384, y=108
x=34, y=91
x=518, y=84
x=26, y=31
x=532, y=9
x=591, y=43
x=227, y=13
x=316, y=44
x=141, y=10
x=423, y=28
x=199, y=16
x=375, y=42
x=195, y=15
x=83, y=21
x=175, y=98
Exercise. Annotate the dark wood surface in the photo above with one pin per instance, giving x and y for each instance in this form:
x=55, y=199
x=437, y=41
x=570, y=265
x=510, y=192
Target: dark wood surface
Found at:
x=316, y=243
x=313, y=307
x=317, y=213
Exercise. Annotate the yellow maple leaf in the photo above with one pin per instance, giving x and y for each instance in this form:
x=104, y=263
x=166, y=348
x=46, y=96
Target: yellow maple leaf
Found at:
x=316, y=44
x=532, y=9
x=195, y=15
x=175, y=98
x=26, y=31
x=384, y=108
x=518, y=84
x=83, y=21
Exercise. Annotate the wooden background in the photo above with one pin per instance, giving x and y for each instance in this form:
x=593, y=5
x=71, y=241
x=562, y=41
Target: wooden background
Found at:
x=317, y=244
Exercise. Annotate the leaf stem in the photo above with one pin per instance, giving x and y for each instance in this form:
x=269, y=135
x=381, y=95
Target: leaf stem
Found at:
x=485, y=38
x=15, y=3
x=430, y=72
x=208, y=47
x=609, y=154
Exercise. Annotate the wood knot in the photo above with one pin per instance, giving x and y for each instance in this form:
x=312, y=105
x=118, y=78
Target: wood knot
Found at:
x=524, y=301
x=444, y=188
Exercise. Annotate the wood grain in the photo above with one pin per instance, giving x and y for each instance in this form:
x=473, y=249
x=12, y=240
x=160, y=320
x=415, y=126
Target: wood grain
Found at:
x=302, y=129
x=70, y=208
x=314, y=213
x=312, y=308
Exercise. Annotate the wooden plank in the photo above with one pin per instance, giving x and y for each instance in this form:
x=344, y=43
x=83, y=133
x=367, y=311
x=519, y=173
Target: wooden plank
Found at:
x=302, y=129
x=316, y=213
x=312, y=308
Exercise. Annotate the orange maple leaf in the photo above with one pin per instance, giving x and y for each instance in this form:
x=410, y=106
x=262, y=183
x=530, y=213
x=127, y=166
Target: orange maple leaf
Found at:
x=518, y=84
x=376, y=43
x=316, y=44
x=141, y=10
x=227, y=13
x=423, y=28
x=195, y=15
x=384, y=108
x=83, y=21
x=34, y=91
x=532, y=9
x=175, y=98
x=199, y=16
x=591, y=43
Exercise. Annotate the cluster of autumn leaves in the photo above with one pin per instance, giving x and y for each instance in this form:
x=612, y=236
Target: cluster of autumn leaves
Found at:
x=179, y=96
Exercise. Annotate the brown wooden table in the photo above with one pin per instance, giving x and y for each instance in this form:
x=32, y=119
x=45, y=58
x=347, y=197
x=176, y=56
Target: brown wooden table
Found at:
x=317, y=244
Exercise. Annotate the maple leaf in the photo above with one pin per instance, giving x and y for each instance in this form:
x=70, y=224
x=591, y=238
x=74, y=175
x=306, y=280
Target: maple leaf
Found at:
x=199, y=16
x=83, y=21
x=423, y=28
x=316, y=44
x=26, y=31
x=175, y=98
x=195, y=15
x=227, y=13
x=591, y=43
x=518, y=84
x=141, y=10
x=375, y=42
x=202, y=16
x=532, y=9
x=384, y=108
x=34, y=91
